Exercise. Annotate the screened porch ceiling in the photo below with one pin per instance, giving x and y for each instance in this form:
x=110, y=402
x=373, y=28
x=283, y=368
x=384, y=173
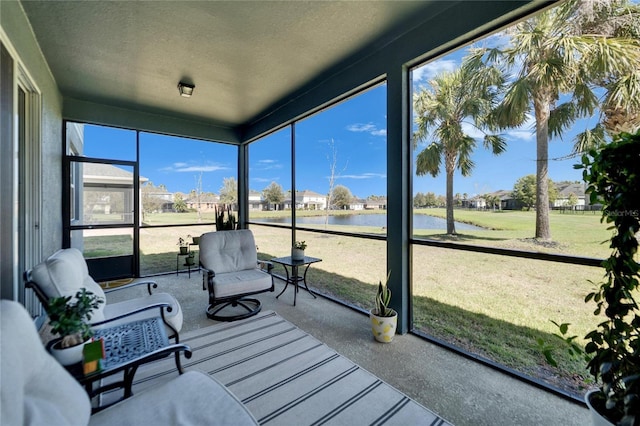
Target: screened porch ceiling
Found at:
x=247, y=59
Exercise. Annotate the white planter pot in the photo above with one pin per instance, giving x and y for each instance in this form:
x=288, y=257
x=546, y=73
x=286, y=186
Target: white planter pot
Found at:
x=297, y=254
x=383, y=328
x=68, y=356
x=596, y=418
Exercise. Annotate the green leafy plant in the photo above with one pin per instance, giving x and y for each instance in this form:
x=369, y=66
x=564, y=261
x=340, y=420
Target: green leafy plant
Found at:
x=300, y=245
x=222, y=224
x=69, y=319
x=613, y=178
x=383, y=298
x=573, y=349
x=182, y=242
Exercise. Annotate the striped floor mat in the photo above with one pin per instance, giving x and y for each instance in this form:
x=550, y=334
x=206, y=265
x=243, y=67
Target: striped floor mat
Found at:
x=286, y=377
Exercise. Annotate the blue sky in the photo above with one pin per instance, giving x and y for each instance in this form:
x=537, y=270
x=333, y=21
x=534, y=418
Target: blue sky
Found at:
x=355, y=128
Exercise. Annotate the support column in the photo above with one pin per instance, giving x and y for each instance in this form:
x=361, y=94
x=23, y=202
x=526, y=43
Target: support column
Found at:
x=398, y=193
x=243, y=185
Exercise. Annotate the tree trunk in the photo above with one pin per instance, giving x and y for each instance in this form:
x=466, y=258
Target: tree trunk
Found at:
x=542, y=107
x=451, y=224
x=198, y=194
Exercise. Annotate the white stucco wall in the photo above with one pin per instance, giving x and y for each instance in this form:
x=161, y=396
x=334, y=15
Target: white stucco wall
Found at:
x=16, y=33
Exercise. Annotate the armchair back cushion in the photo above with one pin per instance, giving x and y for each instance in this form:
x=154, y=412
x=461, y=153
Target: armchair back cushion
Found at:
x=63, y=274
x=228, y=251
x=36, y=390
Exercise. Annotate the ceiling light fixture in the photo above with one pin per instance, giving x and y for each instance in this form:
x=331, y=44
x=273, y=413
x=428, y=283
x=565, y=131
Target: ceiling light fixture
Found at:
x=185, y=89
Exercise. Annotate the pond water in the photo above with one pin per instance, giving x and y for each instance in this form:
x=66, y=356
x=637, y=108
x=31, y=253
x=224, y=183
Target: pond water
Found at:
x=420, y=221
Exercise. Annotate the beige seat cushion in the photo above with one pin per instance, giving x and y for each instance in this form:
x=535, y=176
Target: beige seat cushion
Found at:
x=175, y=317
x=241, y=282
x=193, y=398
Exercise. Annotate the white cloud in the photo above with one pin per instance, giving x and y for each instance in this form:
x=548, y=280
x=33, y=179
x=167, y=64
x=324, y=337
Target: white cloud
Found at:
x=430, y=70
x=526, y=132
x=472, y=131
x=370, y=128
x=186, y=168
x=524, y=135
x=212, y=168
x=268, y=164
x=500, y=39
x=363, y=176
x=265, y=180
x=359, y=127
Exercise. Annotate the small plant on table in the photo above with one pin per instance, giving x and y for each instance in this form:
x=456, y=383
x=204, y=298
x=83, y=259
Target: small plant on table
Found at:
x=70, y=319
x=184, y=245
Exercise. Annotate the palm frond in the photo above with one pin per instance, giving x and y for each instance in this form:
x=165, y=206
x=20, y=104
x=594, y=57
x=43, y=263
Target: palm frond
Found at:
x=589, y=139
x=428, y=160
x=584, y=98
x=497, y=143
x=465, y=164
x=561, y=118
x=516, y=104
x=624, y=93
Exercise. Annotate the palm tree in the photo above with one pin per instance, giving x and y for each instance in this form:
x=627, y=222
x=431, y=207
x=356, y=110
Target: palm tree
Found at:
x=440, y=113
x=548, y=56
x=620, y=106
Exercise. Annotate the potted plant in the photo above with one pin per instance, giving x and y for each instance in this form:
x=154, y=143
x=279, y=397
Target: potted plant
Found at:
x=222, y=224
x=196, y=240
x=184, y=245
x=613, y=178
x=190, y=259
x=297, y=251
x=384, y=320
x=68, y=317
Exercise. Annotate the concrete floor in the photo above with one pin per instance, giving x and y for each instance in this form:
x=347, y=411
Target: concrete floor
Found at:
x=462, y=391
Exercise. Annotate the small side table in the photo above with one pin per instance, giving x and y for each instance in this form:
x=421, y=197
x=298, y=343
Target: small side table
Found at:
x=186, y=255
x=295, y=278
x=127, y=346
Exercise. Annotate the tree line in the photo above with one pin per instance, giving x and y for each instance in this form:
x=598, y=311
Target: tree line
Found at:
x=524, y=193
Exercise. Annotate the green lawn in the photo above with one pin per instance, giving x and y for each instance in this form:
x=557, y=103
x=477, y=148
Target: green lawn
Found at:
x=495, y=306
x=578, y=234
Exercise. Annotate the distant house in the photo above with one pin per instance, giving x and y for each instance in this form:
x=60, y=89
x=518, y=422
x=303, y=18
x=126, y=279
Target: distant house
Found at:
x=507, y=202
x=256, y=202
x=207, y=202
x=107, y=194
x=357, y=204
x=307, y=200
x=565, y=191
x=160, y=199
x=375, y=204
x=476, y=202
